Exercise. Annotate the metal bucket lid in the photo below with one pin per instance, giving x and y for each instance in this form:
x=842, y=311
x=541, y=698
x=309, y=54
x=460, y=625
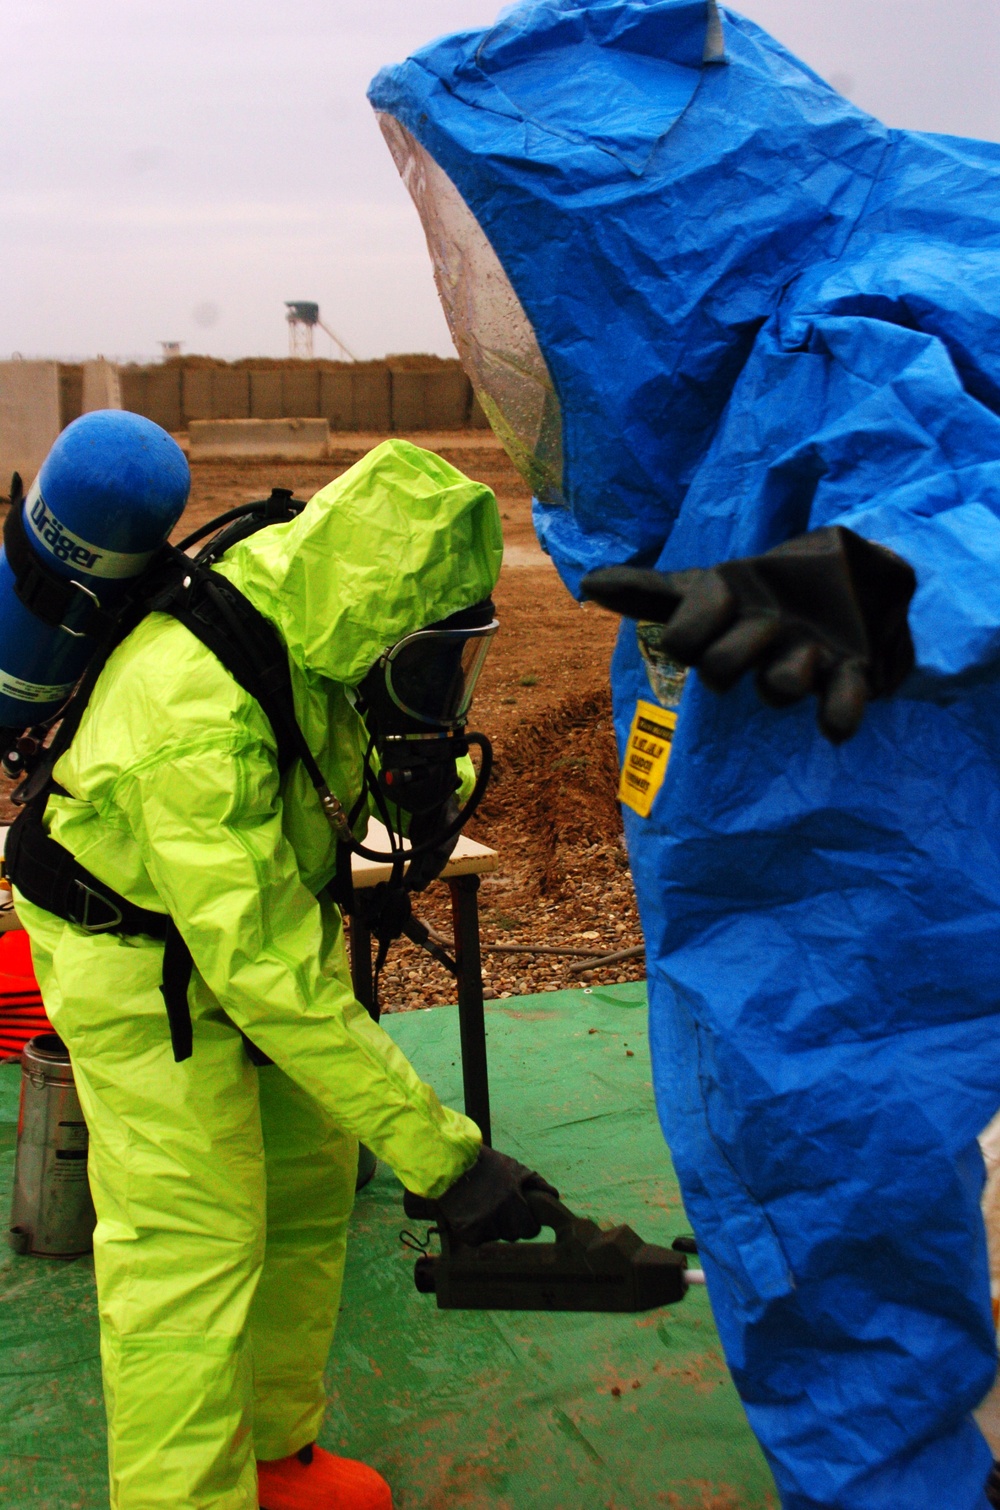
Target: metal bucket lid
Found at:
x=46, y=1053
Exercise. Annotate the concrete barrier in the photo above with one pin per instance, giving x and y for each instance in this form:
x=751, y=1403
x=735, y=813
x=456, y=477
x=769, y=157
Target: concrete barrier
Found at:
x=196, y=394
x=30, y=418
x=283, y=439
x=230, y=393
x=163, y=392
x=70, y=392
x=265, y=395
x=336, y=400
x=372, y=397
x=436, y=398
x=356, y=396
x=38, y=399
x=134, y=383
x=300, y=391
x=101, y=387
x=154, y=392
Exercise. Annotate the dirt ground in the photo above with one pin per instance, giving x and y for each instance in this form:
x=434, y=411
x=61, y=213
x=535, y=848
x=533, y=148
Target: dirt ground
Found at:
x=563, y=878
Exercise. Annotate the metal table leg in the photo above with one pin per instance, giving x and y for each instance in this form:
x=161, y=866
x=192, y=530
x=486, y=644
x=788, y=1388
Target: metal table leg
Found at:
x=471, y=1014
x=361, y=965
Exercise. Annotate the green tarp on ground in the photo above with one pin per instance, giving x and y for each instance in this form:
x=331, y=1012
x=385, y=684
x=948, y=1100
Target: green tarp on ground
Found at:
x=460, y=1410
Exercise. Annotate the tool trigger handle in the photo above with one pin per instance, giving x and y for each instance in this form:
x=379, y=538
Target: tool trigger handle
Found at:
x=551, y=1212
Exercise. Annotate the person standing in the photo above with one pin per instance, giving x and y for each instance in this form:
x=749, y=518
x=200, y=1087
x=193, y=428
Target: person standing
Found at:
x=744, y=340
x=223, y=1171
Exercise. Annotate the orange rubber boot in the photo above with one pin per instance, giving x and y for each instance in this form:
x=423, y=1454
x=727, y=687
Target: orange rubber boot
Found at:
x=315, y=1480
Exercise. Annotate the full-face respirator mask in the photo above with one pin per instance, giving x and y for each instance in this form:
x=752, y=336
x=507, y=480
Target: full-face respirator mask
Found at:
x=415, y=701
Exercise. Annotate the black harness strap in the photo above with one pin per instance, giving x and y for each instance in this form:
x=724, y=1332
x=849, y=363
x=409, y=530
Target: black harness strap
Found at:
x=341, y=889
x=177, y=967
x=47, y=874
x=57, y=601
x=50, y=877
x=248, y=646
x=250, y=649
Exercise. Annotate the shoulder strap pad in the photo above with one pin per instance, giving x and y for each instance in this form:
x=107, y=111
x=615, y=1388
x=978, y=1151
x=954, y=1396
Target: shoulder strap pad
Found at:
x=249, y=647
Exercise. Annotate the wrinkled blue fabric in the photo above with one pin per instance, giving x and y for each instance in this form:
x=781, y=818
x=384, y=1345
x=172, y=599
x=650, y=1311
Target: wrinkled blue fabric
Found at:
x=763, y=313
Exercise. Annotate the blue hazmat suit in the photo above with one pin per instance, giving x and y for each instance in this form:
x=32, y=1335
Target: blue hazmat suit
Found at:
x=710, y=305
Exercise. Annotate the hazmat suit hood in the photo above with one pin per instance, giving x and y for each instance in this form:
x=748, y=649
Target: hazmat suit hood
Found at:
x=598, y=189
x=400, y=540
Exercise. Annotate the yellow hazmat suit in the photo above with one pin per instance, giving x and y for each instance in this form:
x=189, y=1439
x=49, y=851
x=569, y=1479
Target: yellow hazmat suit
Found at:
x=223, y=1192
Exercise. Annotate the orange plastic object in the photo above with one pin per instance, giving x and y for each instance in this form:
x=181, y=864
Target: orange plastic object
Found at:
x=22, y=1014
x=327, y=1483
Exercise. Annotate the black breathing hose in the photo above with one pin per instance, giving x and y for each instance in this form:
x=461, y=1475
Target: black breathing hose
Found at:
x=451, y=831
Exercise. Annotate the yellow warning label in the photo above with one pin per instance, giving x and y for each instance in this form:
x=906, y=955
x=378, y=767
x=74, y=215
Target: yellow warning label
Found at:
x=646, y=756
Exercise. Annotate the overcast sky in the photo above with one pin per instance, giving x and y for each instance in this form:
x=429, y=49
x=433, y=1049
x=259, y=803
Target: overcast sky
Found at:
x=176, y=169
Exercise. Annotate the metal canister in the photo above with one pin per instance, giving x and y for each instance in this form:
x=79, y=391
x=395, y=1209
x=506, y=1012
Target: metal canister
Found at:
x=52, y=1212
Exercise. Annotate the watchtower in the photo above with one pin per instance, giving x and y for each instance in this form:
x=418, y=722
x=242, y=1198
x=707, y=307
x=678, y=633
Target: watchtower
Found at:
x=303, y=318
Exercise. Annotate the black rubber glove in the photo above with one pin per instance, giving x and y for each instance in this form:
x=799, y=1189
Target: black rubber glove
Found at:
x=423, y=826
x=487, y=1202
x=823, y=613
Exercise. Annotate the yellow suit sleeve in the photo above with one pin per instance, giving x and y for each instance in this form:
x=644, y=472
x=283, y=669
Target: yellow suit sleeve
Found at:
x=208, y=824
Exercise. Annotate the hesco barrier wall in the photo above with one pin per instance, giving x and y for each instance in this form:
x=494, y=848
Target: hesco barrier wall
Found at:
x=399, y=393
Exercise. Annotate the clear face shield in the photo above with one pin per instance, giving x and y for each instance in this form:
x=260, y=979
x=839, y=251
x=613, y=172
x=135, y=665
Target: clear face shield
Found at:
x=431, y=676
x=488, y=324
x=416, y=700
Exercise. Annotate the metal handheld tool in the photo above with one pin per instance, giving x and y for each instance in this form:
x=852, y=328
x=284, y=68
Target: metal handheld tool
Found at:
x=585, y=1269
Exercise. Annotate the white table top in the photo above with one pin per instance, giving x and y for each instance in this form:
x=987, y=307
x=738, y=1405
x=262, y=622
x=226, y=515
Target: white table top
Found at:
x=467, y=859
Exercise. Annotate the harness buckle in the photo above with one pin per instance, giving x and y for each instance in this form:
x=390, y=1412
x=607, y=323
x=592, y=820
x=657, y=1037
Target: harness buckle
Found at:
x=90, y=897
x=96, y=612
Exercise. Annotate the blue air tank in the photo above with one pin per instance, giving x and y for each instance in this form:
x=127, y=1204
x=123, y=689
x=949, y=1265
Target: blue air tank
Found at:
x=107, y=496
